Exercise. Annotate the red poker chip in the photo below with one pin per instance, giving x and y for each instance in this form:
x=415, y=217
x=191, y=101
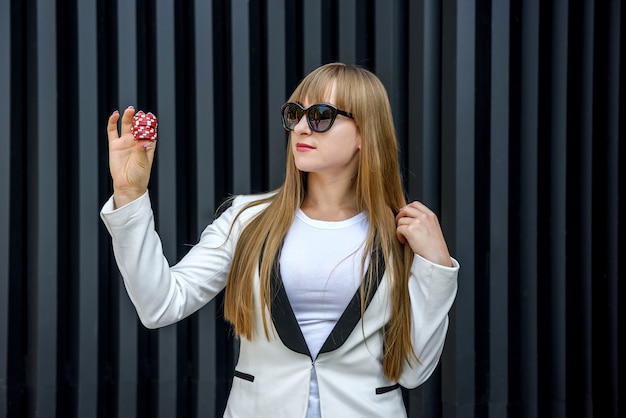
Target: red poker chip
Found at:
x=144, y=126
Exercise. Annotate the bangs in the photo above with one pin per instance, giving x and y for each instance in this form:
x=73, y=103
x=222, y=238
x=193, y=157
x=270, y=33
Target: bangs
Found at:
x=318, y=86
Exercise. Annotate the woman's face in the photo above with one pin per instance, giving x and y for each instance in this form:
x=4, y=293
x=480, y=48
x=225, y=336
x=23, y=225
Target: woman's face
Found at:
x=334, y=153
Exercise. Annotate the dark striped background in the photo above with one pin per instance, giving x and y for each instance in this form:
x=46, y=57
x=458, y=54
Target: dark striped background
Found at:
x=509, y=114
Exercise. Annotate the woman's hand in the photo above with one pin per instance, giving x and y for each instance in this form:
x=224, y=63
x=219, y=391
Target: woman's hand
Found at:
x=130, y=160
x=419, y=226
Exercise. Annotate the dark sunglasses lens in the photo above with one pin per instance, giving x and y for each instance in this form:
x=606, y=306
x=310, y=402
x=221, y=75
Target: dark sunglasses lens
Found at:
x=321, y=117
x=291, y=115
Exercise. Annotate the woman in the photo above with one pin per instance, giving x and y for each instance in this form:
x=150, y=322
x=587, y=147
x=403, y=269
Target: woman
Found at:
x=338, y=290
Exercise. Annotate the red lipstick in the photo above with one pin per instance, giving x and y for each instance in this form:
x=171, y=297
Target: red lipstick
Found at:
x=302, y=147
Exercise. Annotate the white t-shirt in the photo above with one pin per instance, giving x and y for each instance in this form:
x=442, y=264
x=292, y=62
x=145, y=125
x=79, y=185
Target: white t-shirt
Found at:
x=320, y=265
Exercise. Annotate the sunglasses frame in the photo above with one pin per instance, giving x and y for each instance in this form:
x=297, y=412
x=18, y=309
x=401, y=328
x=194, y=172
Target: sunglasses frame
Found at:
x=305, y=113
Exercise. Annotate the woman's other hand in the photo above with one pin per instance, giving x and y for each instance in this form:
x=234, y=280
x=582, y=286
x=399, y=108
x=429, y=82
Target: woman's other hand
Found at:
x=419, y=226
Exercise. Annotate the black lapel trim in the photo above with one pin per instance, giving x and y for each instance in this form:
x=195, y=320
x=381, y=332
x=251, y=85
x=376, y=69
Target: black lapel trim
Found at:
x=283, y=316
x=351, y=316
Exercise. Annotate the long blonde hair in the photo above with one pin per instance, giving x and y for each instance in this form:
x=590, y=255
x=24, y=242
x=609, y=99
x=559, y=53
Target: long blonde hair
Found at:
x=379, y=194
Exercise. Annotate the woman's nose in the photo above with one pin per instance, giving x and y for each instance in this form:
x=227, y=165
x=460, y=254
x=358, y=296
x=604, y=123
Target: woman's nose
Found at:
x=302, y=127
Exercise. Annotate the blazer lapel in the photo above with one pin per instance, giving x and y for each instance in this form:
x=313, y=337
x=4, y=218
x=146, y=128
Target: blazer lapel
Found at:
x=283, y=316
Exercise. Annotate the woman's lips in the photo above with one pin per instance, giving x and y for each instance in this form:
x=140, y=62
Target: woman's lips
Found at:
x=303, y=147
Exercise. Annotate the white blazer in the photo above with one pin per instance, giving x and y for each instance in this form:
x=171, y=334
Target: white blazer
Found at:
x=271, y=378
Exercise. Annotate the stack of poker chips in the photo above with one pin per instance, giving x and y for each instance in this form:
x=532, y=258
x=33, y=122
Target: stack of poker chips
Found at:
x=144, y=126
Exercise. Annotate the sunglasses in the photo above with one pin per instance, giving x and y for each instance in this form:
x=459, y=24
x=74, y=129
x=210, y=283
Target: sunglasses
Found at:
x=320, y=116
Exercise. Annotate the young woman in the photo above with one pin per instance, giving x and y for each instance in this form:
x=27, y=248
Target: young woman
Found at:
x=337, y=288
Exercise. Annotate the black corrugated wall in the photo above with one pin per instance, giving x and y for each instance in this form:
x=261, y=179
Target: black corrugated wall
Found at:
x=509, y=114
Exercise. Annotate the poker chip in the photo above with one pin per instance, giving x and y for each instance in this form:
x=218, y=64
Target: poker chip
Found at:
x=144, y=126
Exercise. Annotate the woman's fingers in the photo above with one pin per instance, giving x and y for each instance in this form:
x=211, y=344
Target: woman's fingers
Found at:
x=112, y=132
x=127, y=120
x=416, y=219
x=414, y=209
x=419, y=227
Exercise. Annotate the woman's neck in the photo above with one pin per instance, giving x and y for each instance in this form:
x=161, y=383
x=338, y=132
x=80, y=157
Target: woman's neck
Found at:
x=330, y=200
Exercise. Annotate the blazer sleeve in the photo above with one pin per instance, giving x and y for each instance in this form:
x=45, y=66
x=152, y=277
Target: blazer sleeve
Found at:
x=162, y=294
x=432, y=289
